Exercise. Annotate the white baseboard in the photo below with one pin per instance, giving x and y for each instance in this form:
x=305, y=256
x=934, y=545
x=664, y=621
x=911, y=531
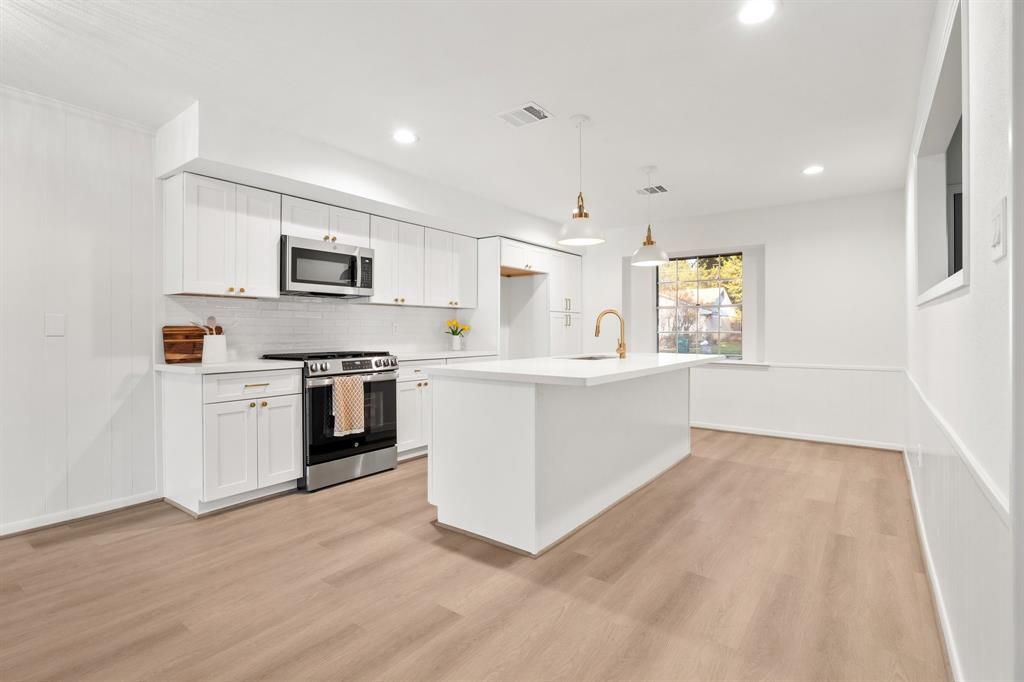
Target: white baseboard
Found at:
x=55, y=518
x=940, y=604
x=815, y=437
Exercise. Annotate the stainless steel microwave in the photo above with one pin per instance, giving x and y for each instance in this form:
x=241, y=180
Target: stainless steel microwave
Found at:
x=314, y=268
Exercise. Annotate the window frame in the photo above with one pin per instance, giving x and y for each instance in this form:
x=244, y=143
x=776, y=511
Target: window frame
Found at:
x=698, y=305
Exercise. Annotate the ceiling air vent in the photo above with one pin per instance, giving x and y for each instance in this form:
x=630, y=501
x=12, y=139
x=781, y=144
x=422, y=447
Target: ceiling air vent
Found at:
x=531, y=112
x=653, y=189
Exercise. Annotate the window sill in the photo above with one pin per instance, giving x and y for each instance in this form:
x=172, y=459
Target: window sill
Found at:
x=738, y=363
x=954, y=282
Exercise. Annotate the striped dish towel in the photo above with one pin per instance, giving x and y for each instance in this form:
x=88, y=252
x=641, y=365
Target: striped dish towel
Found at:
x=348, y=406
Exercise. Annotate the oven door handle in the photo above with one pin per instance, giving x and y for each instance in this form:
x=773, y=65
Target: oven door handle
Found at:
x=367, y=379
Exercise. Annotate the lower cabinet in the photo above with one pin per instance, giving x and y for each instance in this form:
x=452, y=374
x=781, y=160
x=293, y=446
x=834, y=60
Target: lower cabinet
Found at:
x=566, y=331
x=414, y=415
x=227, y=438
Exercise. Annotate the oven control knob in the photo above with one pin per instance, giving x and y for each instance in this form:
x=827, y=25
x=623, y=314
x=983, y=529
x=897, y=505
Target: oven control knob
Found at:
x=325, y=366
x=394, y=362
x=376, y=363
x=312, y=367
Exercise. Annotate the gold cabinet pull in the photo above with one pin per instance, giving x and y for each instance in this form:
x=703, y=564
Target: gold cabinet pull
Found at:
x=419, y=384
x=231, y=290
x=257, y=385
x=426, y=383
x=334, y=239
x=241, y=290
x=263, y=403
x=403, y=300
x=417, y=370
x=252, y=404
x=396, y=300
x=327, y=237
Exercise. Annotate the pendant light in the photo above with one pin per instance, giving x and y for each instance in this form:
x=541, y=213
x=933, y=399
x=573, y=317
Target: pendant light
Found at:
x=649, y=255
x=580, y=230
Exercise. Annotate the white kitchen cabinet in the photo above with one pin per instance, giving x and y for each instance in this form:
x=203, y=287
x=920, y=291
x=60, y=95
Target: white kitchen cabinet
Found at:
x=229, y=449
x=349, y=227
x=437, y=268
x=413, y=415
x=464, y=270
x=257, y=242
x=397, y=262
x=565, y=283
x=208, y=236
x=449, y=269
x=305, y=218
x=220, y=239
x=566, y=330
x=279, y=439
x=229, y=438
x=522, y=256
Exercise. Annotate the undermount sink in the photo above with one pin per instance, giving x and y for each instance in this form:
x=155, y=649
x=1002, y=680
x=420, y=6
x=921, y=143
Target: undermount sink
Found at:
x=592, y=357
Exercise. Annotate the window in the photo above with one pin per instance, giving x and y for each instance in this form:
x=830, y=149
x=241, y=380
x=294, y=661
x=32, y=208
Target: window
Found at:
x=700, y=305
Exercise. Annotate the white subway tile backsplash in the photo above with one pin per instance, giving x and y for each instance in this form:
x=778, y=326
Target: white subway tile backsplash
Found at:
x=255, y=327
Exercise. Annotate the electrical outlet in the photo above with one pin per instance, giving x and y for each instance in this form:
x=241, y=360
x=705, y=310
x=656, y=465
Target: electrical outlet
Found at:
x=920, y=455
x=394, y=329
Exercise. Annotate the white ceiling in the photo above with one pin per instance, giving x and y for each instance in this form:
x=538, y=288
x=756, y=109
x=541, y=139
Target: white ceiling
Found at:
x=729, y=113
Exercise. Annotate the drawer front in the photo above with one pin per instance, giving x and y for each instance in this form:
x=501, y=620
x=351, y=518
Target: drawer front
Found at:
x=218, y=388
x=410, y=371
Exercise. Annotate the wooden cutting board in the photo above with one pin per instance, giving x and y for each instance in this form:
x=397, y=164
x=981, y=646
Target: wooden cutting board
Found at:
x=184, y=343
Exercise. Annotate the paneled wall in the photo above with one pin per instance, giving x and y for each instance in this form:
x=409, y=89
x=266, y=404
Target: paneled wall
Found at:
x=76, y=239
x=964, y=525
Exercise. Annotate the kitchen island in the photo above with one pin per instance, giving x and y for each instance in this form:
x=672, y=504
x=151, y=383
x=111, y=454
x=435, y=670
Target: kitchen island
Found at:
x=524, y=452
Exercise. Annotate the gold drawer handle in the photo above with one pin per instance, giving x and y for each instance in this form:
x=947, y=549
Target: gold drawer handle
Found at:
x=257, y=385
x=417, y=370
x=263, y=403
x=252, y=404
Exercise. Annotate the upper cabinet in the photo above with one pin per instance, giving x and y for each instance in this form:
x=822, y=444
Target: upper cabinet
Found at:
x=565, y=283
x=313, y=220
x=304, y=218
x=350, y=227
x=449, y=269
x=219, y=238
x=223, y=239
x=397, y=262
x=521, y=256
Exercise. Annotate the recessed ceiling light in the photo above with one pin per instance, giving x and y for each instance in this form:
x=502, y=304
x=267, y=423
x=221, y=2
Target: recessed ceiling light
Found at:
x=404, y=136
x=756, y=11
x=814, y=170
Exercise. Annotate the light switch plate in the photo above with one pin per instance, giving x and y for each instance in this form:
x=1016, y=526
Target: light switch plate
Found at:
x=997, y=241
x=53, y=324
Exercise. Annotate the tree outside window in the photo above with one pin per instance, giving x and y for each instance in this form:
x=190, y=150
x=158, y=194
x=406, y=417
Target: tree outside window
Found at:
x=700, y=305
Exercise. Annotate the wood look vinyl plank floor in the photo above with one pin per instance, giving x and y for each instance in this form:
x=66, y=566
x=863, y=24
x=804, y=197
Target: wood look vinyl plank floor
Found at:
x=754, y=559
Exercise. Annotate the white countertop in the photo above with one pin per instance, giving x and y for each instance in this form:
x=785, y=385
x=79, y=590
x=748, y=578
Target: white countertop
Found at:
x=566, y=371
x=412, y=356
x=227, y=367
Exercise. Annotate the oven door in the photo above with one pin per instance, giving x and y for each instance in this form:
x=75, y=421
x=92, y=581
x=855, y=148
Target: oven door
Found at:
x=312, y=267
x=380, y=419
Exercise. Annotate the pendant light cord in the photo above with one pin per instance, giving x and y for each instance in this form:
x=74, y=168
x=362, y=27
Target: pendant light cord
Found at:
x=648, y=200
x=580, y=127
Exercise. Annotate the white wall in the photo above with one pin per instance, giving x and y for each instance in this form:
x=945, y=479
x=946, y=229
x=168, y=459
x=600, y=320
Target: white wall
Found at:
x=829, y=311
x=76, y=238
x=958, y=358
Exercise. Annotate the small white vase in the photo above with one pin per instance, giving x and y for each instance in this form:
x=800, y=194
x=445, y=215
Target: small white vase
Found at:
x=456, y=342
x=215, y=349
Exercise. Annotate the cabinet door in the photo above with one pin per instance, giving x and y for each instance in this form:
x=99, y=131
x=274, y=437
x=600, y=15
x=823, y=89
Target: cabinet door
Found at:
x=279, y=444
x=427, y=413
x=410, y=415
x=559, y=334
x=229, y=449
x=350, y=227
x=437, y=268
x=538, y=259
x=304, y=218
x=513, y=254
x=384, y=242
x=208, y=239
x=574, y=334
x=572, y=282
x=464, y=257
x=558, y=301
x=410, y=264
x=258, y=242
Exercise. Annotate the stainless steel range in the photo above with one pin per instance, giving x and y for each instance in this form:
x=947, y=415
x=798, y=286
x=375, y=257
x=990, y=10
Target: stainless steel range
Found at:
x=331, y=458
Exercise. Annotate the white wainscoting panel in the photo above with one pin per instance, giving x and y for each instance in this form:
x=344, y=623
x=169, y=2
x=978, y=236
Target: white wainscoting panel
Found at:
x=966, y=538
x=76, y=240
x=830, y=403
